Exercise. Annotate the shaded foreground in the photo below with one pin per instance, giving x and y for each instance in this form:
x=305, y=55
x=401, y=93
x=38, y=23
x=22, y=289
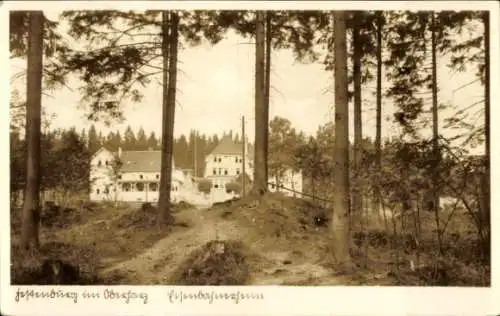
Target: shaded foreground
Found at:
x=275, y=241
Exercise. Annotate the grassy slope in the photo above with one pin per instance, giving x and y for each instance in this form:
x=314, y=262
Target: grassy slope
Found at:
x=275, y=241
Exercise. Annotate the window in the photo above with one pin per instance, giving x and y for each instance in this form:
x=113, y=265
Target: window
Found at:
x=99, y=163
x=139, y=186
x=106, y=190
x=237, y=159
x=141, y=176
x=97, y=191
x=220, y=171
x=153, y=186
x=216, y=186
x=220, y=159
x=215, y=159
x=225, y=172
x=157, y=176
x=215, y=171
x=237, y=170
x=106, y=162
x=126, y=186
x=119, y=177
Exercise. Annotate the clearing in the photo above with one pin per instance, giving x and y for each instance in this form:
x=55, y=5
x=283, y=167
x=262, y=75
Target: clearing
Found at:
x=276, y=240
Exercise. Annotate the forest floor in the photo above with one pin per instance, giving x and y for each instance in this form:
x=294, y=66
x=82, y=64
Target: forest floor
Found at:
x=276, y=240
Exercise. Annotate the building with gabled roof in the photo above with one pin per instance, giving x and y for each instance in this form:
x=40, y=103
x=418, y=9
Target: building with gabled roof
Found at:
x=135, y=179
x=225, y=162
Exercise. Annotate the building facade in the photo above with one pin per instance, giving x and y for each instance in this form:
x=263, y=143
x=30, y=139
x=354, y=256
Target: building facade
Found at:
x=225, y=163
x=132, y=176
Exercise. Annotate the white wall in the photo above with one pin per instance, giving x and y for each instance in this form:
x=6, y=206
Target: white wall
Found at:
x=226, y=170
x=101, y=175
x=224, y=165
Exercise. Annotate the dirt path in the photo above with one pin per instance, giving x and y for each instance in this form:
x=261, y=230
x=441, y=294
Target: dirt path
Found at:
x=278, y=266
x=154, y=264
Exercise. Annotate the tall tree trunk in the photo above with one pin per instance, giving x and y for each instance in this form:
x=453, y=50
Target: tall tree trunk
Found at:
x=357, y=202
x=260, y=160
x=267, y=82
x=378, y=136
x=31, y=207
x=340, y=225
x=169, y=50
x=435, y=133
x=486, y=175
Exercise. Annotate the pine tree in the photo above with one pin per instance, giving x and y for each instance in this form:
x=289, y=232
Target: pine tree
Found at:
x=341, y=175
x=129, y=142
x=261, y=111
x=31, y=207
x=142, y=140
x=153, y=142
x=93, y=139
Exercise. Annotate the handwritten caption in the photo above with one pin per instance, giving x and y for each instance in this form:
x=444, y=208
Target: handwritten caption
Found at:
x=173, y=296
x=108, y=294
x=211, y=296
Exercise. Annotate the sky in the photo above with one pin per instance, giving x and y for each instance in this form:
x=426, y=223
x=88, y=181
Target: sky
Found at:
x=216, y=88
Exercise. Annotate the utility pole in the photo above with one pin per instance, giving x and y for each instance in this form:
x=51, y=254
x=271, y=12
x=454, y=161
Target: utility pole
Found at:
x=195, y=162
x=244, y=156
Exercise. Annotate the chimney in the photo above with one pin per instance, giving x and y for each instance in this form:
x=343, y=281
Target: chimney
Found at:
x=119, y=152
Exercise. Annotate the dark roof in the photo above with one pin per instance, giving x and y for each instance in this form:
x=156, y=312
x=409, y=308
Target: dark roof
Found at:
x=141, y=161
x=227, y=146
x=145, y=161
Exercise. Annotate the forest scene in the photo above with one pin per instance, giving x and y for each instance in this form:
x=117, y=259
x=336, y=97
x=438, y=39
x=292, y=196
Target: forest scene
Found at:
x=394, y=184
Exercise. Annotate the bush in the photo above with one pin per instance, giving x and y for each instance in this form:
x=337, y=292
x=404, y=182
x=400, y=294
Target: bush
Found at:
x=216, y=263
x=205, y=186
x=233, y=187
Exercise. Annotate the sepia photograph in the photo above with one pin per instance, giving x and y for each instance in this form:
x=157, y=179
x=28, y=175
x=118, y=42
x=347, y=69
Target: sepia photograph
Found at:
x=250, y=147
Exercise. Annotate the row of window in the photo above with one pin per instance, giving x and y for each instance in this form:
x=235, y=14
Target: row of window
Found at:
x=157, y=176
x=236, y=159
x=225, y=171
x=99, y=163
x=136, y=187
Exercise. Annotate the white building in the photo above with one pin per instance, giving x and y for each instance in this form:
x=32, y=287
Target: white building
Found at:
x=136, y=180
x=225, y=163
